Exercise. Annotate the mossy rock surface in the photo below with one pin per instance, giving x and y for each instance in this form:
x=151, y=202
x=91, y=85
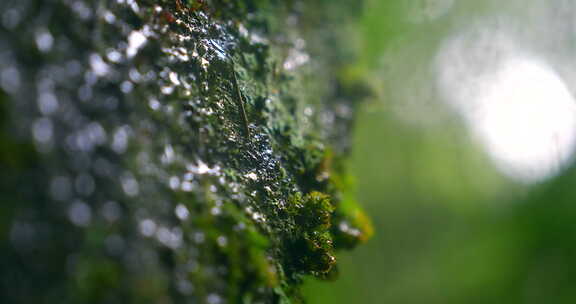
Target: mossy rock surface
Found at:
x=161, y=151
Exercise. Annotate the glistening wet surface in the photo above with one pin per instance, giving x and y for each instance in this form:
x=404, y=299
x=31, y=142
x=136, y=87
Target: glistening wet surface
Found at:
x=156, y=152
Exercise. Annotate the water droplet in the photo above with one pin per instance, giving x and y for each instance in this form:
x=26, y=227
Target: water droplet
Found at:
x=10, y=79
x=199, y=237
x=135, y=75
x=154, y=104
x=204, y=63
x=187, y=186
x=167, y=90
x=296, y=57
x=126, y=87
x=240, y=226
x=168, y=155
x=130, y=185
x=185, y=287
x=82, y=10
x=109, y=17
x=216, y=211
x=113, y=55
x=147, y=227
x=213, y=299
x=202, y=168
x=182, y=212
x=47, y=103
x=174, y=78
x=42, y=130
x=98, y=65
x=11, y=18
x=136, y=40
x=253, y=176
x=88, y=137
x=80, y=214
x=44, y=40
x=222, y=241
x=120, y=139
x=174, y=182
x=170, y=237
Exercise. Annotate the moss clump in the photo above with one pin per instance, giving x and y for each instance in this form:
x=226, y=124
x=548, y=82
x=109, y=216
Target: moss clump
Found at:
x=352, y=227
x=313, y=211
x=312, y=251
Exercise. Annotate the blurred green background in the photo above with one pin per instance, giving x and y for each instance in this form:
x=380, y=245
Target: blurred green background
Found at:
x=452, y=225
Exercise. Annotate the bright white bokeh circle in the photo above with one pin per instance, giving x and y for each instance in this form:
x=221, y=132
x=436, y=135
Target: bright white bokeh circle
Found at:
x=526, y=120
x=515, y=105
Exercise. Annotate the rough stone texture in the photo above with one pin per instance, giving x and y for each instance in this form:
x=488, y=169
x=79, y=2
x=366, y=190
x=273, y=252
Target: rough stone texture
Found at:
x=159, y=151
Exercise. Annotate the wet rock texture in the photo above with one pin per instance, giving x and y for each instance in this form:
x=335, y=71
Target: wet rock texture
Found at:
x=163, y=151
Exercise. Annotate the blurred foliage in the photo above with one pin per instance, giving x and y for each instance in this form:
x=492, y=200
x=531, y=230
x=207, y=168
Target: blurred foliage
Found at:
x=451, y=238
x=449, y=227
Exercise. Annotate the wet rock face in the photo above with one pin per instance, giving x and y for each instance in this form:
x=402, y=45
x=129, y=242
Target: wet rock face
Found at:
x=171, y=151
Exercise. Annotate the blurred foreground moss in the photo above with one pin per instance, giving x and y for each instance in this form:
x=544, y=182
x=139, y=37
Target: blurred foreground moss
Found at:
x=161, y=151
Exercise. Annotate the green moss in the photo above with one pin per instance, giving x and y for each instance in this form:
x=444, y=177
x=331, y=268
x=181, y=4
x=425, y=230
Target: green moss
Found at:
x=312, y=250
x=316, y=212
x=206, y=164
